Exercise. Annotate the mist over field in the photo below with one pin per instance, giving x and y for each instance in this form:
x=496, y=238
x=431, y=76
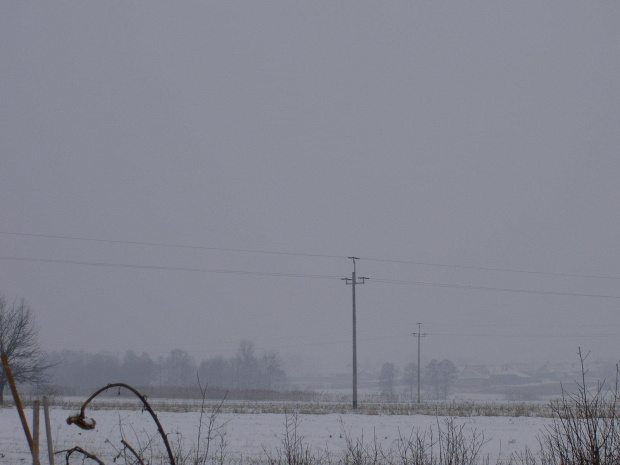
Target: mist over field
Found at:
x=189, y=176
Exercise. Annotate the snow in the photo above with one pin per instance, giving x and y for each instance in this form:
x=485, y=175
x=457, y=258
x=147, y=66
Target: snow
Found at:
x=249, y=435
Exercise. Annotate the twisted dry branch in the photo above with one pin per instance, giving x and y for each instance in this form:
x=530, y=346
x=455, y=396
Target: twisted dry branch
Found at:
x=88, y=455
x=133, y=451
x=88, y=423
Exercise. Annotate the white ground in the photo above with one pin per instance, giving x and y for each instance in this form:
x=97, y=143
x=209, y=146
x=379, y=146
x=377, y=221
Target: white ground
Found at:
x=248, y=435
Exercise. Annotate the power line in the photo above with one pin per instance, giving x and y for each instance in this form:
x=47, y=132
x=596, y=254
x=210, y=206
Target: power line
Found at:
x=170, y=268
x=272, y=343
x=482, y=268
x=493, y=289
x=310, y=276
x=404, y=336
x=303, y=254
x=511, y=325
x=178, y=246
x=528, y=336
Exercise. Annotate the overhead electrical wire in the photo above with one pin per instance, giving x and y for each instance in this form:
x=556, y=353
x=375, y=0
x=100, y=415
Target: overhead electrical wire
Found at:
x=312, y=276
x=527, y=336
x=482, y=268
x=376, y=280
x=170, y=268
x=513, y=325
x=267, y=346
x=493, y=289
x=178, y=246
x=405, y=336
x=303, y=254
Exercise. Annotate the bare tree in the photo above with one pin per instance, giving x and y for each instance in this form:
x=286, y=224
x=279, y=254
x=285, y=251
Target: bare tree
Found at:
x=387, y=380
x=245, y=366
x=217, y=371
x=410, y=377
x=19, y=341
x=272, y=375
x=178, y=368
x=439, y=377
x=431, y=378
x=447, y=376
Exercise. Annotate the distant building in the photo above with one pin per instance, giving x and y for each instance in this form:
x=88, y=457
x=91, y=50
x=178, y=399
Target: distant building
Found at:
x=473, y=377
x=509, y=375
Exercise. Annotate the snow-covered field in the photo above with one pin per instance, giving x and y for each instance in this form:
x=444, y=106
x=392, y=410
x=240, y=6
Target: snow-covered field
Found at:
x=248, y=436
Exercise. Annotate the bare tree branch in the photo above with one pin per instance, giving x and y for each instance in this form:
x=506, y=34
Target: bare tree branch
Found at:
x=19, y=340
x=88, y=455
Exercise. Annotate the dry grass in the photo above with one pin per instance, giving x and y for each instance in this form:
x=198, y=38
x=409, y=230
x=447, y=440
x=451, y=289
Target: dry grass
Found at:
x=450, y=409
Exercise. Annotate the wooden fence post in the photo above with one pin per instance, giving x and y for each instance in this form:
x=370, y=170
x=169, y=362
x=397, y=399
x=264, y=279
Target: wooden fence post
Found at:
x=35, y=433
x=48, y=429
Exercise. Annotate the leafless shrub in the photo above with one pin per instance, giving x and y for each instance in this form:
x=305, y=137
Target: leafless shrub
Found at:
x=294, y=450
x=415, y=449
x=526, y=457
x=451, y=444
x=357, y=452
x=138, y=454
x=211, y=433
x=447, y=444
x=585, y=428
x=458, y=448
x=586, y=425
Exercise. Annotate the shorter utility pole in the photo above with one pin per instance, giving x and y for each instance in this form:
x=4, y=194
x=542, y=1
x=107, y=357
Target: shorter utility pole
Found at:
x=353, y=281
x=419, y=335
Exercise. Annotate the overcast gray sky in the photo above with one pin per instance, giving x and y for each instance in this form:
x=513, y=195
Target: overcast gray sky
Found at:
x=479, y=135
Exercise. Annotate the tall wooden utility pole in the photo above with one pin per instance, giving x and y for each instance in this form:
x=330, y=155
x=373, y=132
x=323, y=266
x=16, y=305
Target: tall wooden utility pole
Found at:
x=419, y=335
x=353, y=281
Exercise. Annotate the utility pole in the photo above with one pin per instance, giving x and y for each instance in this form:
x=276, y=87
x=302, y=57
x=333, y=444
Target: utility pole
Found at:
x=419, y=335
x=353, y=281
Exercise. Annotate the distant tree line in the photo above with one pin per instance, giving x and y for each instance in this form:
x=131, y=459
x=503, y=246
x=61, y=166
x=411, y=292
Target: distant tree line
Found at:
x=244, y=370
x=437, y=380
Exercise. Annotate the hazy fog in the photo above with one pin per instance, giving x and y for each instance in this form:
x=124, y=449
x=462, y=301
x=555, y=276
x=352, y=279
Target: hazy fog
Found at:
x=480, y=135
